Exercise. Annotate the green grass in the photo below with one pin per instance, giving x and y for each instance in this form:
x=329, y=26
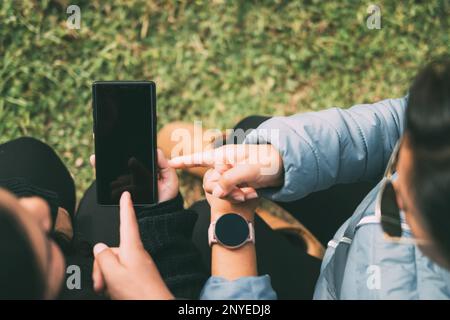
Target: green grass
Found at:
x=216, y=61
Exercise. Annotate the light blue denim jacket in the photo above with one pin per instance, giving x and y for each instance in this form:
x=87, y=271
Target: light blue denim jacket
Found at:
x=321, y=149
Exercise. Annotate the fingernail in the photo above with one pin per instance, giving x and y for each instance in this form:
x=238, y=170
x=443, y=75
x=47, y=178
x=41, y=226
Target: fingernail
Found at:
x=99, y=247
x=218, y=192
x=126, y=196
x=251, y=195
x=240, y=198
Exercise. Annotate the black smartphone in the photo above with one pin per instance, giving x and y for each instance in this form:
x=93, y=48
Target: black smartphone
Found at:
x=125, y=141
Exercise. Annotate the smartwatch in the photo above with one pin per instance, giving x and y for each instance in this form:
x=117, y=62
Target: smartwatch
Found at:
x=231, y=230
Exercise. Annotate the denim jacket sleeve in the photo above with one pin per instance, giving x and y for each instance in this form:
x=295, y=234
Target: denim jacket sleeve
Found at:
x=245, y=288
x=320, y=149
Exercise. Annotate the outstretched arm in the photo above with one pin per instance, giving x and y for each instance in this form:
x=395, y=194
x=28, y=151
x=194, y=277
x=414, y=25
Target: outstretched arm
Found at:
x=289, y=157
x=320, y=149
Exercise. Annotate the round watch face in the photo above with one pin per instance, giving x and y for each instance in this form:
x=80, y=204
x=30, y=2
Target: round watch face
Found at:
x=231, y=230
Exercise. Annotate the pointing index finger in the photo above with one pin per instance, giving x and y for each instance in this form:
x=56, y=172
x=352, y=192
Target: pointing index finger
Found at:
x=199, y=159
x=129, y=229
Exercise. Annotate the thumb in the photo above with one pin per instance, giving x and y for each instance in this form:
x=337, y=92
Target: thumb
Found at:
x=92, y=160
x=107, y=261
x=166, y=171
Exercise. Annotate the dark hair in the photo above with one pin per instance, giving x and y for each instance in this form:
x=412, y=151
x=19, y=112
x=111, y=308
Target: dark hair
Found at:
x=428, y=130
x=20, y=275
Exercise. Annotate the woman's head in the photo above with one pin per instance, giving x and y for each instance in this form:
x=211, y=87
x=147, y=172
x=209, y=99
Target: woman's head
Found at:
x=423, y=186
x=32, y=265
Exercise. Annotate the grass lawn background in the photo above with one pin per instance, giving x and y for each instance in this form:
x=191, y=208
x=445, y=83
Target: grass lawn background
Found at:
x=215, y=61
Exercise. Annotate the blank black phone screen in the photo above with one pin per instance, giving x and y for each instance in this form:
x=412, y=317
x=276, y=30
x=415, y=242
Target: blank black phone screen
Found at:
x=125, y=141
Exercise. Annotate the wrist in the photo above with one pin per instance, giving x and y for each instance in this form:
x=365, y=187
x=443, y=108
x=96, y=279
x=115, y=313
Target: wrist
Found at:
x=248, y=215
x=246, y=210
x=233, y=254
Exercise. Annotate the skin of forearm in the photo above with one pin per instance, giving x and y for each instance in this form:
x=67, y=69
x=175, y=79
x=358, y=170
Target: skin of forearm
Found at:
x=233, y=264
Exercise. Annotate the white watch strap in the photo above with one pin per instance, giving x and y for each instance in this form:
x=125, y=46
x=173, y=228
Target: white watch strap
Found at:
x=211, y=237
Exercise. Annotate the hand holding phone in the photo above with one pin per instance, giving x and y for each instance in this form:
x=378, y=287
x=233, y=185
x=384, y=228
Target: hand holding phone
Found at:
x=167, y=178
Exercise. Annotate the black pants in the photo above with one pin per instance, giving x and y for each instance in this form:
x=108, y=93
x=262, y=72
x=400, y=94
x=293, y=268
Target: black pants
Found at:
x=39, y=164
